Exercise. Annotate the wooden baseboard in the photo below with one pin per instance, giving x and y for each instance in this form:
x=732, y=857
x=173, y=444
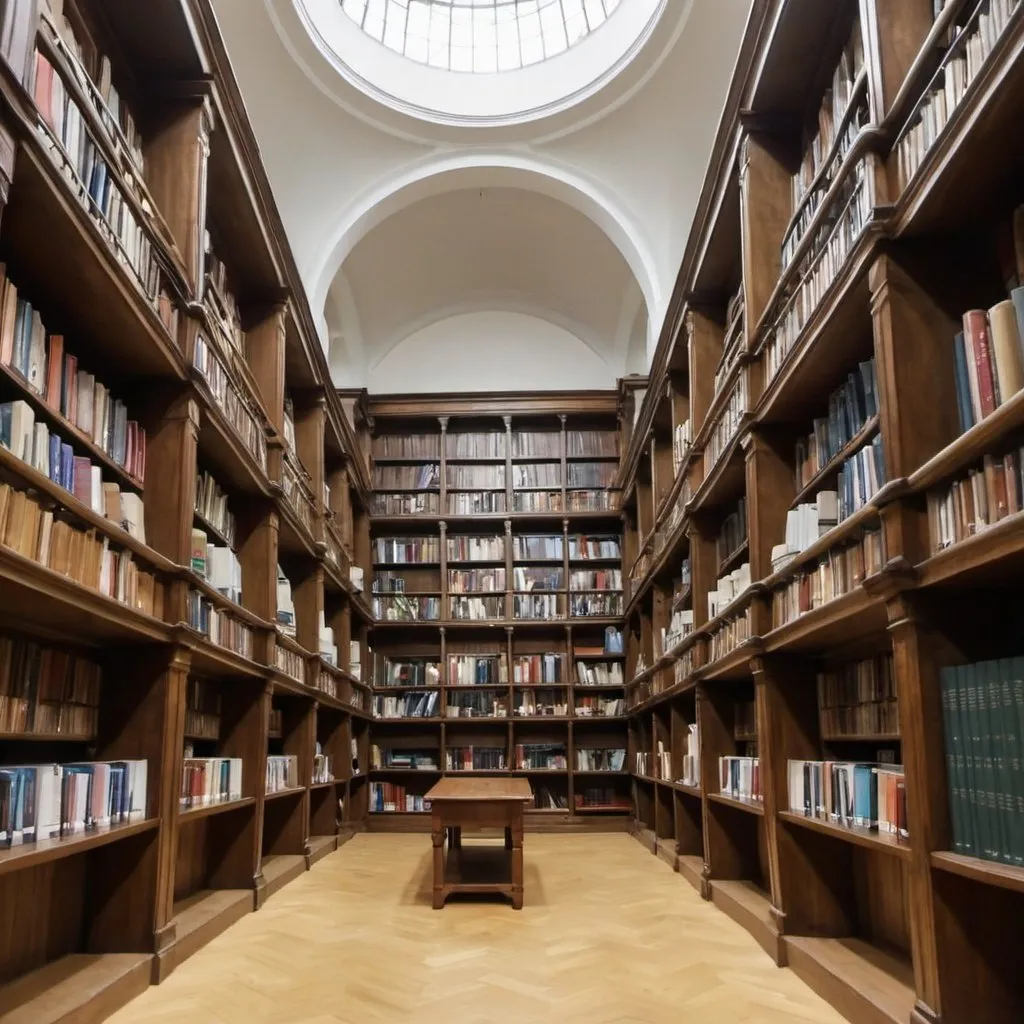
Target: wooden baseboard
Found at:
x=76, y=989
x=320, y=847
x=749, y=907
x=862, y=982
x=666, y=850
x=278, y=870
x=199, y=919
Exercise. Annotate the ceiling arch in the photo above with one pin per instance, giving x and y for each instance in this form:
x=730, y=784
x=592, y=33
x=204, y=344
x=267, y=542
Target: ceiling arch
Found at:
x=482, y=250
x=484, y=170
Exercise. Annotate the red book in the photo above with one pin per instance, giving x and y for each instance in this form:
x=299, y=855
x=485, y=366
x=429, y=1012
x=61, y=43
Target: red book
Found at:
x=976, y=334
x=81, y=484
x=69, y=388
x=54, y=368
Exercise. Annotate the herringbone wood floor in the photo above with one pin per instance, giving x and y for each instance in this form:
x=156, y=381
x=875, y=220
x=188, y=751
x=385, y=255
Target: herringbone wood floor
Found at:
x=608, y=935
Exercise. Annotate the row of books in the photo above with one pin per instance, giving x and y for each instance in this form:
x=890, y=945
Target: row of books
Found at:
x=537, y=474
x=202, y=710
x=983, y=717
x=402, y=608
x=50, y=801
x=600, y=759
x=727, y=424
x=467, y=759
x=475, y=478
x=476, y=609
x=411, y=550
x=861, y=477
x=406, y=446
x=415, y=704
x=475, y=581
x=407, y=478
x=218, y=565
x=973, y=504
x=206, y=781
x=537, y=578
x=211, y=504
x=967, y=55
x=483, y=445
x=599, y=673
x=33, y=443
x=988, y=361
x=732, y=344
x=737, y=629
x=388, y=757
x=849, y=409
x=831, y=115
x=426, y=503
x=530, y=669
x=600, y=707
x=465, y=670
x=603, y=798
x=821, y=266
x=596, y=605
x=475, y=549
x=323, y=771
x=837, y=573
x=850, y=794
x=219, y=626
x=540, y=757
x=732, y=534
x=740, y=777
x=728, y=588
x=546, y=444
x=662, y=762
x=97, y=83
x=477, y=704
x=807, y=523
x=591, y=474
x=691, y=756
x=84, y=556
x=222, y=309
x=293, y=665
x=582, y=548
x=539, y=703
x=682, y=441
x=47, y=691
x=414, y=672
x=52, y=373
x=680, y=626
x=238, y=406
x=390, y=798
x=859, y=699
x=74, y=151
x=469, y=503
x=282, y=772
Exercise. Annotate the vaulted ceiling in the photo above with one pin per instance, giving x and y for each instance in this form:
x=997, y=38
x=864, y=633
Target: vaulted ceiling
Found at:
x=540, y=250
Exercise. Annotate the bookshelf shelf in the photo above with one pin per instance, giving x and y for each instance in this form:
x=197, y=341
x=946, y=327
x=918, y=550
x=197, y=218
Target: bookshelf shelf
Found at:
x=869, y=838
x=1001, y=876
x=28, y=855
x=227, y=807
x=98, y=984
x=283, y=794
x=750, y=806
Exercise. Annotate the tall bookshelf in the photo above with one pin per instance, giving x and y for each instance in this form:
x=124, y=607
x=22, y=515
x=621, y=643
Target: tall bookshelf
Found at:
x=830, y=493
x=496, y=538
x=170, y=436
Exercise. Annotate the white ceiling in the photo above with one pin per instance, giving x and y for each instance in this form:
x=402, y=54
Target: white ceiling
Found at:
x=581, y=223
x=488, y=249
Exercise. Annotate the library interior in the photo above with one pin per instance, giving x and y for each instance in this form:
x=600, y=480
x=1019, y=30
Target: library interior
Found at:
x=573, y=577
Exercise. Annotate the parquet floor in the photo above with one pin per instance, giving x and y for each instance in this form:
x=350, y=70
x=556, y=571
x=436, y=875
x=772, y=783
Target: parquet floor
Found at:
x=608, y=935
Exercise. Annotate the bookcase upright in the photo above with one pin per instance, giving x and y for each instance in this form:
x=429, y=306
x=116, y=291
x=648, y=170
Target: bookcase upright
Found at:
x=833, y=500
x=169, y=437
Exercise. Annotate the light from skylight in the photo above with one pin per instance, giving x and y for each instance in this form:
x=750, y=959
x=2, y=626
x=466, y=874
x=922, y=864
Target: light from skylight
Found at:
x=482, y=36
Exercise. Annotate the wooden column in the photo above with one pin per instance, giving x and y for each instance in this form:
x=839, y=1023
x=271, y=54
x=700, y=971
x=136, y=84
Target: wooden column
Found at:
x=266, y=344
x=919, y=652
x=176, y=168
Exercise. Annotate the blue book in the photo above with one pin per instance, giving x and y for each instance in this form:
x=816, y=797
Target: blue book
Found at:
x=6, y=410
x=55, y=458
x=865, y=796
x=67, y=467
x=1017, y=297
x=963, y=392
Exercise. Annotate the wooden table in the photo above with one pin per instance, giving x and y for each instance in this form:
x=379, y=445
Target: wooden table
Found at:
x=478, y=803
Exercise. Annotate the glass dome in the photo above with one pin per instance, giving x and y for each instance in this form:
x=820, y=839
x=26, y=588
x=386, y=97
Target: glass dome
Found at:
x=483, y=36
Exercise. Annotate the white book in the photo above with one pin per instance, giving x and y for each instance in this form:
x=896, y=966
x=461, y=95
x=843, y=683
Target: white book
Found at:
x=23, y=422
x=41, y=452
x=132, y=513
x=96, y=490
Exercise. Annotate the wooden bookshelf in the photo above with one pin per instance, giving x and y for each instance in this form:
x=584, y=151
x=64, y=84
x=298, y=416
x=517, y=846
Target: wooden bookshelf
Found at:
x=497, y=554
x=810, y=342
x=186, y=326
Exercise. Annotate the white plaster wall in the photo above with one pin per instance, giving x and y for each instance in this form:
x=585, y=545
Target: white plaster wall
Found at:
x=490, y=351
x=330, y=162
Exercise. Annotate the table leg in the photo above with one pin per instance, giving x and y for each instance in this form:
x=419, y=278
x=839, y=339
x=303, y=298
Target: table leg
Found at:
x=437, y=836
x=517, y=863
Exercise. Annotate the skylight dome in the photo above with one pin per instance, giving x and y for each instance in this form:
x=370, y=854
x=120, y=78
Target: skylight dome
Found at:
x=483, y=36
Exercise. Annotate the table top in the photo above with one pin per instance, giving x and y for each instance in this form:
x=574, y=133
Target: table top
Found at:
x=477, y=788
